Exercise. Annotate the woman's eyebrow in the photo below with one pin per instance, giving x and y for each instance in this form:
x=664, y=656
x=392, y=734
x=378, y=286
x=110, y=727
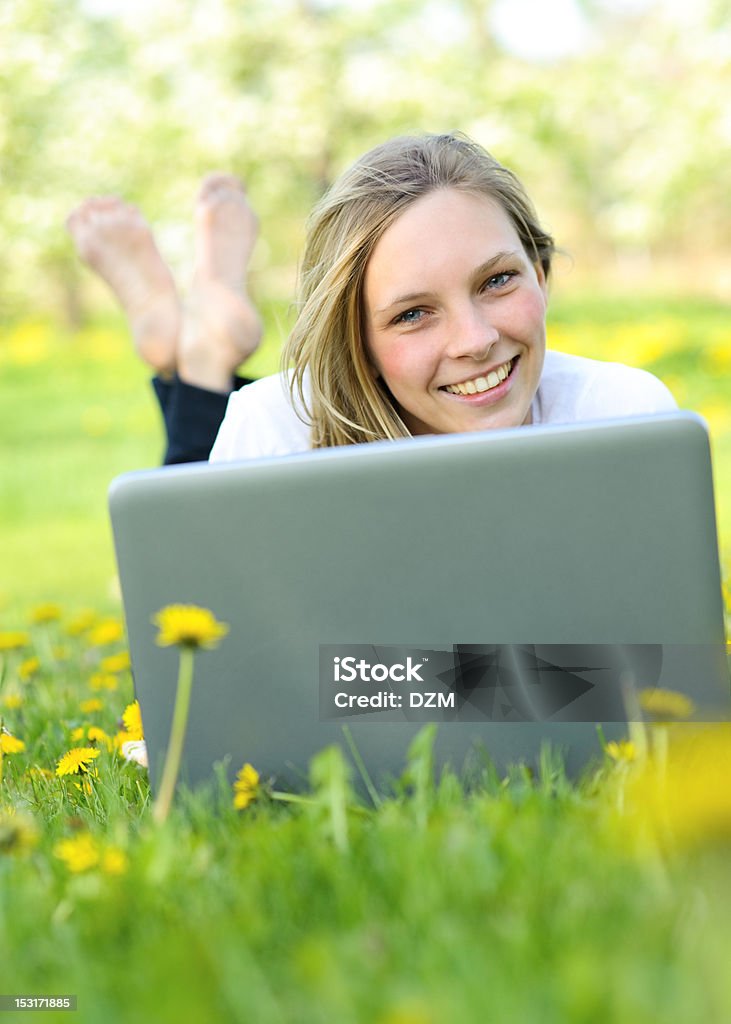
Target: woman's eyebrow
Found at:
x=403, y=299
x=499, y=257
x=484, y=268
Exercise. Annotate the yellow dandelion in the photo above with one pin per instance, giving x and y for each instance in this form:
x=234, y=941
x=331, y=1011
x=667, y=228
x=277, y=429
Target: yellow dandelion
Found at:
x=188, y=626
x=132, y=719
x=76, y=761
x=114, y=861
x=666, y=704
x=621, y=750
x=718, y=351
x=18, y=832
x=79, y=853
x=81, y=622
x=27, y=344
x=91, y=705
x=93, y=735
x=12, y=701
x=687, y=799
x=28, y=668
x=115, y=662
x=121, y=737
x=14, y=640
x=10, y=744
x=103, y=681
x=409, y=1011
x=48, y=612
x=246, y=787
x=717, y=415
x=96, y=735
x=107, y=632
x=40, y=773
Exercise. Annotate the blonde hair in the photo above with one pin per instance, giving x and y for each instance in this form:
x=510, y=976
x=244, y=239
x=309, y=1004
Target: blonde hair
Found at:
x=346, y=403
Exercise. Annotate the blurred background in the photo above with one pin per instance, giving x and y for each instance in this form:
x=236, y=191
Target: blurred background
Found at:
x=614, y=114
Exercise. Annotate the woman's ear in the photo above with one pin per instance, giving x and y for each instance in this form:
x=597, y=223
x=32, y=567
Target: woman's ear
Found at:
x=542, y=279
x=369, y=362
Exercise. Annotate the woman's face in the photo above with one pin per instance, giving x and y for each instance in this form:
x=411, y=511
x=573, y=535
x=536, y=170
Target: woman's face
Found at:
x=455, y=315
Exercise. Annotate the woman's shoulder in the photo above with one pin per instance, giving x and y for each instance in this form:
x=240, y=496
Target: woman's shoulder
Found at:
x=262, y=419
x=574, y=388
x=271, y=391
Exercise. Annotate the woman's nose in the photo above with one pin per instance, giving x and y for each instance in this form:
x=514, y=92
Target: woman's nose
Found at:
x=472, y=334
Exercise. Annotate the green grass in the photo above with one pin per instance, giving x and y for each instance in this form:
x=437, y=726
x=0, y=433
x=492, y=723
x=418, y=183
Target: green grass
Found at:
x=468, y=898
x=76, y=410
x=465, y=899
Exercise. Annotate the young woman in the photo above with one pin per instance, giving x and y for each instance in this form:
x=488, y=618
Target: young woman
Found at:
x=422, y=310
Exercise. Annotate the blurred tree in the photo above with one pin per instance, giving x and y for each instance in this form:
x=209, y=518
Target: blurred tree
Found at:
x=626, y=145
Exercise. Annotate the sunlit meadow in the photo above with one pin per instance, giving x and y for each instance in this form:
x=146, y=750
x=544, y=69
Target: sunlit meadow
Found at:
x=469, y=897
x=77, y=409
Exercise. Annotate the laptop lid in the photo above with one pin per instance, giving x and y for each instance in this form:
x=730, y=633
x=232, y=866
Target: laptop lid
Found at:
x=531, y=573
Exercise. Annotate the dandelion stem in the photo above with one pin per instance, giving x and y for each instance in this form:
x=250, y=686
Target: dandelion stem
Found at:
x=295, y=798
x=635, y=721
x=660, y=750
x=292, y=798
x=44, y=644
x=360, y=765
x=161, y=807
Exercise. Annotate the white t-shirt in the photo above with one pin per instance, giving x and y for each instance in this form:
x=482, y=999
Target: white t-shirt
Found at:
x=261, y=420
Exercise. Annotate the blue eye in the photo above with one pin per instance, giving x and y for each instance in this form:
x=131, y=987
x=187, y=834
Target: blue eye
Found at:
x=500, y=280
x=410, y=316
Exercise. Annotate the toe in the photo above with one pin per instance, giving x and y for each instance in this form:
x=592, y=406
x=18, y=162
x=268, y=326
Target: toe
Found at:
x=73, y=220
x=218, y=182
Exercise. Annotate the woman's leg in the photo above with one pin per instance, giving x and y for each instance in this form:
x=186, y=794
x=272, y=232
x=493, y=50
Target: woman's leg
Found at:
x=115, y=241
x=194, y=347
x=221, y=327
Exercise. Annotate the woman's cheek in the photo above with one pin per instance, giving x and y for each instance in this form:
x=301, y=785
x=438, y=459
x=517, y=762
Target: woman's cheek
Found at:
x=400, y=366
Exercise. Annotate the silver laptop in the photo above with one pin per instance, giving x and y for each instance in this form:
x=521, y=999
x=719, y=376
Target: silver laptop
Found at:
x=511, y=586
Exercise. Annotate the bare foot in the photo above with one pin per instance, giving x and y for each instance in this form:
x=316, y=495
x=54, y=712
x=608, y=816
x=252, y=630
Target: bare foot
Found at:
x=114, y=240
x=221, y=327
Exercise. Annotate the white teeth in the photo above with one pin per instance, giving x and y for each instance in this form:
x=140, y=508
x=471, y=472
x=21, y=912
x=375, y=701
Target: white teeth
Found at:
x=480, y=384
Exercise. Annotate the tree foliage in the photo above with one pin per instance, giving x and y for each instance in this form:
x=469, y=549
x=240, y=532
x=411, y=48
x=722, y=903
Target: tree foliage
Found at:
x=625, y=146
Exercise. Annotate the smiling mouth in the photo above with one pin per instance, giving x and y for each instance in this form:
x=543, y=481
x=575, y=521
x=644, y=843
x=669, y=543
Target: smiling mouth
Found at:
x=478, y=385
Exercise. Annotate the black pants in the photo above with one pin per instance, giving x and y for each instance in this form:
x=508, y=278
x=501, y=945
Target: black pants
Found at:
x=192, y=417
